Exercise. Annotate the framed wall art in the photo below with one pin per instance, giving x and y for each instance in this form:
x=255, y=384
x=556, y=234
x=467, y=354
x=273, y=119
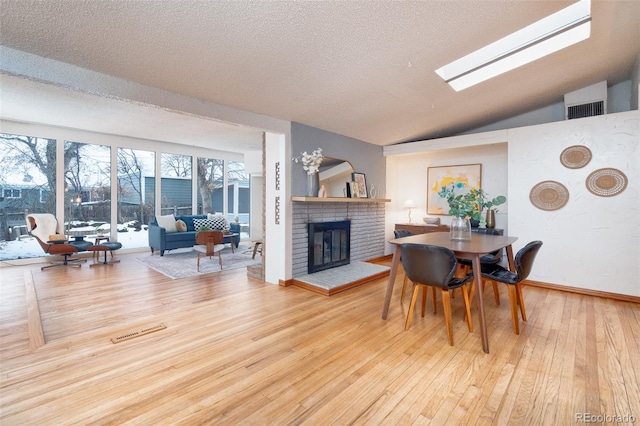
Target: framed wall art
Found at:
x=462, y=177
x=362, y=184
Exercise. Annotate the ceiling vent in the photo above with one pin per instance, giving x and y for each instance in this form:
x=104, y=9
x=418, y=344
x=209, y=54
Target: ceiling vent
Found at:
x=587, y=102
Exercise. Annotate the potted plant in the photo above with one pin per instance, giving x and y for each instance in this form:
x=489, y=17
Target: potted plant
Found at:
x=467, y=206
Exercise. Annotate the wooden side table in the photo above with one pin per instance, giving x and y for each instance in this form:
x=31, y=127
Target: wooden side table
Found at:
x=101, y=238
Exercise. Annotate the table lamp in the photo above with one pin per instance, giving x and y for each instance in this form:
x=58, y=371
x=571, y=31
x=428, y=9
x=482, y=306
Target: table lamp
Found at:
x=409, y=204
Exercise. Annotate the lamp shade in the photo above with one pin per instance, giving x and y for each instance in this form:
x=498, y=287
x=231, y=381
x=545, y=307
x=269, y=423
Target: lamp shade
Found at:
x=409, y=204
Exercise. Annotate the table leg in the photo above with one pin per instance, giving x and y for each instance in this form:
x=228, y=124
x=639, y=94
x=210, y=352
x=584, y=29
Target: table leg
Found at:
x=512, y=265
x=477, y=276
x=392, y=279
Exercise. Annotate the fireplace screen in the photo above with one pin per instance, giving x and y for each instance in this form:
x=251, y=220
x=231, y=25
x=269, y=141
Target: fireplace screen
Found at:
x=329, y=244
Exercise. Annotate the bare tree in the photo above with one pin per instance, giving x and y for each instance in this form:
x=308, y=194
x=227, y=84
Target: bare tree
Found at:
x=178, y=165
x=130, y=178
x=20, y=154
x=210, y=177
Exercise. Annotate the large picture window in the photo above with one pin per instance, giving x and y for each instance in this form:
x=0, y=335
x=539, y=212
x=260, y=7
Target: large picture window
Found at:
x=28, y=182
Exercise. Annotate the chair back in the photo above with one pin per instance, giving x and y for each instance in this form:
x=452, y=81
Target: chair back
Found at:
x=41, y=226
x=209, y=239
x=524, y=259
x=427, y=264
x=400, y=233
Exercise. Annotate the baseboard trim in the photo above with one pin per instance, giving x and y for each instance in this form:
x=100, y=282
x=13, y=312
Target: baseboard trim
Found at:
x=584, y=291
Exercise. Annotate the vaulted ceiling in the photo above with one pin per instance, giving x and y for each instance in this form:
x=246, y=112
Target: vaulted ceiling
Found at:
x=363, y=69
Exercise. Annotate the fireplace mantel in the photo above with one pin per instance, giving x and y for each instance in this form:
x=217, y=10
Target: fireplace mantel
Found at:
x=339, y=200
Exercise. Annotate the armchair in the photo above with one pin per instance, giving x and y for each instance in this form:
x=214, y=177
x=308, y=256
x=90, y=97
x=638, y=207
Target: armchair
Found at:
x=44, y=228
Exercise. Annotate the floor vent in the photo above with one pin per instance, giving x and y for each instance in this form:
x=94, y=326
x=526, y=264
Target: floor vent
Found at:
x=138, y=333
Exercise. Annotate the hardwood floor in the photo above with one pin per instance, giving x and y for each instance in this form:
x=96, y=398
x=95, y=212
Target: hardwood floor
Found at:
x=239, y=351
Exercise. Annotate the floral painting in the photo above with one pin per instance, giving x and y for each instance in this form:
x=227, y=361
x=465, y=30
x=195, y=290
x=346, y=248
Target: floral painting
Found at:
x=462, y=177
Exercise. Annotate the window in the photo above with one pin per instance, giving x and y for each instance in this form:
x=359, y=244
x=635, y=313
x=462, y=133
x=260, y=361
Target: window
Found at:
x=136, y=195
x=210, y=174
x=176, y=184
x=88, y=185
x=11, y=193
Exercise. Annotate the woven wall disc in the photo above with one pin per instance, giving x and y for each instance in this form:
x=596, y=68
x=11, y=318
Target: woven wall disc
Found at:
x=575, y=157
x=549, y=195
x=606, y=182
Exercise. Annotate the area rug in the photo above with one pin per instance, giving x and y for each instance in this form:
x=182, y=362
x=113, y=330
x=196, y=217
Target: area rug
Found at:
x=183, y=263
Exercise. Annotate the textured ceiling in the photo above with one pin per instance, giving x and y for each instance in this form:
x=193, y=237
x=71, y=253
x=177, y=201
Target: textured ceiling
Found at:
x=362, y=69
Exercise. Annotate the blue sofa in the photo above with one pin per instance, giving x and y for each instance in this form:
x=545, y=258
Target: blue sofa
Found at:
x=160, y=239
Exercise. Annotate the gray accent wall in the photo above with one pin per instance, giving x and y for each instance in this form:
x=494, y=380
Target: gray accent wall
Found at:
x=364, y=157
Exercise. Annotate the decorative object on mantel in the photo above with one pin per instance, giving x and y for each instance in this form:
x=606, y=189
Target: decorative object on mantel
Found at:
x=606, y=182
x=311, y=164
x=575, y=157
x=549, y=195
x=409, y=204
x=362, y=184
x=372, y=191
x=322, y=193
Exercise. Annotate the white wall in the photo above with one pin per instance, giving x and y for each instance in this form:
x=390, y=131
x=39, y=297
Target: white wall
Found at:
x=407, y=180
x=592, y=242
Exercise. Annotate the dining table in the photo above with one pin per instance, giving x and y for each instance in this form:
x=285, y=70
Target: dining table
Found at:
x=479, y=245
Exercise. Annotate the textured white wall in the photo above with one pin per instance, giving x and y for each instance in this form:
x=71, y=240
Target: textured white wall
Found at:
x=592, y=242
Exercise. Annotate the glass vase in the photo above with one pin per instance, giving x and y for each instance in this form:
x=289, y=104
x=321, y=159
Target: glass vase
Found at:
x=460, y=229
x=313, y=184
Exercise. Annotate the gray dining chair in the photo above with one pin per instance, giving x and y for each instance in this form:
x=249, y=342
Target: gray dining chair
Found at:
x=433, y=266
x=523, y=264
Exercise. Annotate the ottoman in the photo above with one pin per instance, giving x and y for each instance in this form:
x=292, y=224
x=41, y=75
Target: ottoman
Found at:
x=104, y=247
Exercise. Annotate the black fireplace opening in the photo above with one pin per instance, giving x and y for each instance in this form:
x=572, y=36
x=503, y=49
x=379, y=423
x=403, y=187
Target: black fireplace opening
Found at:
x=329, y=244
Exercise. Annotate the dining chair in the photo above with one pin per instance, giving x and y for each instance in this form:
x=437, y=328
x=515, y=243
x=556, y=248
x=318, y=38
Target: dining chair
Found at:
x=523, y=264
x=435, y=267
x=492, y=258
x=209, y=243
x=401, y=233
x=45, y=229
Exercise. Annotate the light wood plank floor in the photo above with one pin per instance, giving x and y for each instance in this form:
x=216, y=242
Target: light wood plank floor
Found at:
x=239, y=351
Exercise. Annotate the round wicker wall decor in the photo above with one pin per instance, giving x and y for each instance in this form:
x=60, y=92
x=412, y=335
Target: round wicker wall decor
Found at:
x=549, y=195
x=606, y=182
x=575, y=157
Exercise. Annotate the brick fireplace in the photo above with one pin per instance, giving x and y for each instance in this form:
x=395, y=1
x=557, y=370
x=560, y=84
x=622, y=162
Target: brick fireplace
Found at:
x=367, y=238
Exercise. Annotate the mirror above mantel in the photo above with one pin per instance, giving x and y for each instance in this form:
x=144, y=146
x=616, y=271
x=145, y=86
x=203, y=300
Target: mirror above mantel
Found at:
x=334, y=174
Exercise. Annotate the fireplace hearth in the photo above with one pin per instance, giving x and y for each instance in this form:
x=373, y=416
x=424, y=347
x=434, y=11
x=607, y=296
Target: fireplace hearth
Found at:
x=329, y=245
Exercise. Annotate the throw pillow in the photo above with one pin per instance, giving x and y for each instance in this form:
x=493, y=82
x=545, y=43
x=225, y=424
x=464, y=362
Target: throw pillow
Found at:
x=218, y=222
x=181, y=226
x=167, y=222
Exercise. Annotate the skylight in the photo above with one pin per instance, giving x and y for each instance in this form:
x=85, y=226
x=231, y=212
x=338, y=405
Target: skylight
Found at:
x=555, y=32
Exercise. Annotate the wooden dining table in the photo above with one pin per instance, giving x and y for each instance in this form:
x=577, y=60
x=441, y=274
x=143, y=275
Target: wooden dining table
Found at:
x=480, y=244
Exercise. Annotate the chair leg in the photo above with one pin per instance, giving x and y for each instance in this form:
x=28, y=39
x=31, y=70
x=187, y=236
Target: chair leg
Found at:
x=467, y=307
x=414, y=298
x=433, y=300
x=424, y=300
x=446, y=304
x=523, y=311
x=404, y=289
x=198, y=261
x=220, y=259
x=514, y=309
x=496, y=292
